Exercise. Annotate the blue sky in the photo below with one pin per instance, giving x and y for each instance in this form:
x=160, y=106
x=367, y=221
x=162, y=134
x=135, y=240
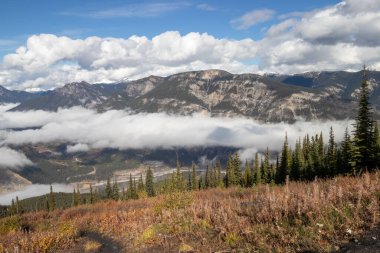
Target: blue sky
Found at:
x=45, y=44
x=80, y=19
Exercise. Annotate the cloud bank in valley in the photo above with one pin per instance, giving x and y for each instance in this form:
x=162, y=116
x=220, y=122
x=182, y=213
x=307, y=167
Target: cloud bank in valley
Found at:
x=86, y=129
x=12, y=159
x=338, y=37
x=32, y=191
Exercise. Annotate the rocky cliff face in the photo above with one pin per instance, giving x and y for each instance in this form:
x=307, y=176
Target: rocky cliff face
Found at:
x=272, y=98
x=219, y=93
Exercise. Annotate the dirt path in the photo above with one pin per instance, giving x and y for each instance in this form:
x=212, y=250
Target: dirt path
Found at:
x=108, y=245
x=369, y=242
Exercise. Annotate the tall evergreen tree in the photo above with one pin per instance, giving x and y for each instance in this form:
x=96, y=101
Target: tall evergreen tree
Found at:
x=130, y=191
x=73, y=202
x=265, y=172
x=257, y=169
x=363, y=140
x=18, y=206
x=207, y=178
x=92, y=198
x=108, y=189
x=51, y=199
x=115, y=191
x=194, y=182
x=297, y=163
x=237, y=169
x=134, y=190
x=140, y=185
x=47, y=207
x=230, y=178
x=77, y=196
x=247, y=175
x=331, y=160
x=149, y=185
x=285, y=163
x=345, y=154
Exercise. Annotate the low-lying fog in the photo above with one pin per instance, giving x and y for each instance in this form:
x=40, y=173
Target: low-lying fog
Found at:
x=85, y=129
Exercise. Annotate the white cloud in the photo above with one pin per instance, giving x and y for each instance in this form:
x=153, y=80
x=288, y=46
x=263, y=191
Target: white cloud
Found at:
x=80, y=147
x=121, y=130
x=32, y=191
x=12, y=159
x=252, y=18
x=48, y=60
x=338, y=37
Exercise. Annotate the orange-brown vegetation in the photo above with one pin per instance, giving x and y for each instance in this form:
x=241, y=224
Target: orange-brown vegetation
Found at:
x=317, y=216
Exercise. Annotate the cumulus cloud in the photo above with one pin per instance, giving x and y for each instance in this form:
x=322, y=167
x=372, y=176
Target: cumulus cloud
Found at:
x=33, y=190
x=121, y=130
x=338, y=37
x=48, y=59
x=252, y=18
x=12, y=159
x=80, y=147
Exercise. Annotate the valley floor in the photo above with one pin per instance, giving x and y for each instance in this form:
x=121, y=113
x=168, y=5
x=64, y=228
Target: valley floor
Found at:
x=320, y=216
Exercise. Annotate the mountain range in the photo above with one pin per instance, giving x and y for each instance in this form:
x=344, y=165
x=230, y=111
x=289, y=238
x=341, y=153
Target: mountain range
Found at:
x=269, y=97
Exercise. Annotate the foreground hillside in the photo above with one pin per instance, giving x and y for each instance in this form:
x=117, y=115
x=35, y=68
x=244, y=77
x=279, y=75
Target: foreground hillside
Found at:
x=319, y=216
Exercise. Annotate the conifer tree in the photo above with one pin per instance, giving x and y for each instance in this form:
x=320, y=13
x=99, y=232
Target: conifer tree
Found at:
x=321, y=145
x=73, y=202
x=207, y=177
x=316, y=160
x=92, y=199
x=140, y=185
x=194, y=182
x=12, y=210
x=266, y=173
x=130, y=188
x=77, y=196
x=297, y=163
x=201, y=183
x=47, y=207
x=219, y=175
x=285, y=162
x=115, y=191
x=247, y=175
x=134, y=190
x=51, y=199
x=237, y=169
x=345, y=154
x=108, y=189
x=257, y=169
x=230, y=173
x=149, y=185
x=363, y=140
x=331, y=160
x=179, y=182
x=18, y=206
x=189, y=187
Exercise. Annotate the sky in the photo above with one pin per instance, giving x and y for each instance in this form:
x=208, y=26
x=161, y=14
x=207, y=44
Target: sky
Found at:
x=45, y=44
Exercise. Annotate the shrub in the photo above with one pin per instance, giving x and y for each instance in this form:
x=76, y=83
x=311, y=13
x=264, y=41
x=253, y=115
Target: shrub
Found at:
x=10, y=224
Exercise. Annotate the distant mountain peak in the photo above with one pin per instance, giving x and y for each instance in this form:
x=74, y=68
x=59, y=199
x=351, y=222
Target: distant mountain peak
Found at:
x=202, y=74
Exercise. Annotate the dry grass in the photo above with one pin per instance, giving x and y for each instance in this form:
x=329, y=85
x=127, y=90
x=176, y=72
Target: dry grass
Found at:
x=91, y=246
x=315, y=216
